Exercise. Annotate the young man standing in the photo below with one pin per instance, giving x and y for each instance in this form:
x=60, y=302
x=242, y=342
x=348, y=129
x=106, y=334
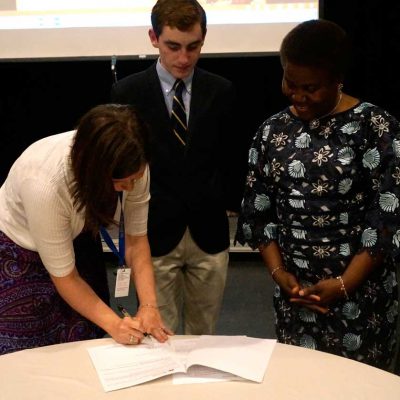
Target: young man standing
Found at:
x=195, y=180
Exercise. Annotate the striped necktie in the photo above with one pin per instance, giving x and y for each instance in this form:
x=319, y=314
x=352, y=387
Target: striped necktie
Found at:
x=178, y=115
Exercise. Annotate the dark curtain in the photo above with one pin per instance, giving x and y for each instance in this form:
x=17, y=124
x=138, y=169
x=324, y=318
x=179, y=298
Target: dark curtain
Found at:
x=375, y=31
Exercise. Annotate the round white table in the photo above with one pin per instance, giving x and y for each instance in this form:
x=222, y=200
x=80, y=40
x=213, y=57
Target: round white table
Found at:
x=65, y=371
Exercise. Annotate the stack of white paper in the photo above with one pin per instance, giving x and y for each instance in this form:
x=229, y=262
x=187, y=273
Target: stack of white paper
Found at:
x=220, y=358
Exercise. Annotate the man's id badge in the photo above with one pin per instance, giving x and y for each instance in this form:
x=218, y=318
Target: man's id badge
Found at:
x=122, y=282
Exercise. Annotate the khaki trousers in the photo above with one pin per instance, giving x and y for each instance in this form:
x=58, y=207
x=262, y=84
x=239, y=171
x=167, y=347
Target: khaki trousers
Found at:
x=190, y=285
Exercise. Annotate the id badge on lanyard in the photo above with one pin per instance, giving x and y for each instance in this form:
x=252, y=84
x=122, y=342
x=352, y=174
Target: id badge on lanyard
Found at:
x=123, y=274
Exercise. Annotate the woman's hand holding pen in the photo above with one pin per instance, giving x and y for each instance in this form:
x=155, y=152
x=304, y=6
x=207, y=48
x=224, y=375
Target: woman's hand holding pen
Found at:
x=148, y=322
x=129, y=330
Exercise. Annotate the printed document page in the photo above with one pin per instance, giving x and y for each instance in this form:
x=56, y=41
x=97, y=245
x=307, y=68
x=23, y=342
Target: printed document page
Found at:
x=209, y=358
x=119, y=366
x=243, y=356
x=197, y=373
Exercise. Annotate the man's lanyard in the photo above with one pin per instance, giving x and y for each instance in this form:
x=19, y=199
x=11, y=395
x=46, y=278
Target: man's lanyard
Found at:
x=121, y=238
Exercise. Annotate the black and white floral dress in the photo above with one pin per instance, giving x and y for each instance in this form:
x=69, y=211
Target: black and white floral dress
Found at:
x=326, y=190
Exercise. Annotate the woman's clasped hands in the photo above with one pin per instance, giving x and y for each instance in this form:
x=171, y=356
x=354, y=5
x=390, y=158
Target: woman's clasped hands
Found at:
x=315, y=297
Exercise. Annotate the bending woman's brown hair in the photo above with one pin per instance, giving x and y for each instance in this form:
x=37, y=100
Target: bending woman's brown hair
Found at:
x=112, y=142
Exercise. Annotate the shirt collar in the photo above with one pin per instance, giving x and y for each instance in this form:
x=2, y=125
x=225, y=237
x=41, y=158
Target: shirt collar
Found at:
x=167, y=80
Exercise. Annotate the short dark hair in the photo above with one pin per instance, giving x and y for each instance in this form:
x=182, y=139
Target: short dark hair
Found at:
x=319, y=43
x=111, y=141
x=180, y=14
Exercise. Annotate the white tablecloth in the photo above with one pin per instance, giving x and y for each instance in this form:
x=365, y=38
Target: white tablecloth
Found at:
x=65, y=372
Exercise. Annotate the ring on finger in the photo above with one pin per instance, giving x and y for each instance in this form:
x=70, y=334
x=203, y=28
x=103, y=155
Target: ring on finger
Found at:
x=133, y=340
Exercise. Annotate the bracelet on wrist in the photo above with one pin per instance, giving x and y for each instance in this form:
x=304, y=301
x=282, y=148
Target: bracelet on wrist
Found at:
x=276, y=269
x=342, y=287
x=148, y=305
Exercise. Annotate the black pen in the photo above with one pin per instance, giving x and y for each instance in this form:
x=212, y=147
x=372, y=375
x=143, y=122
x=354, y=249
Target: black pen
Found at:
x=123, y=311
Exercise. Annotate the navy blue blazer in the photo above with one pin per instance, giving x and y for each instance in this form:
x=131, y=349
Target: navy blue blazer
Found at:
x=193, y=185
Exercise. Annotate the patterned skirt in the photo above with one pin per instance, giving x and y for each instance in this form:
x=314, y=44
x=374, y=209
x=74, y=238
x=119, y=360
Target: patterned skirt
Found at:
x=32, y=313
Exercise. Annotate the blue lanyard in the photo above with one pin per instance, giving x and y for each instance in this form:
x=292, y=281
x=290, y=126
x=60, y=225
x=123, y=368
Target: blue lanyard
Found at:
x=121, y=237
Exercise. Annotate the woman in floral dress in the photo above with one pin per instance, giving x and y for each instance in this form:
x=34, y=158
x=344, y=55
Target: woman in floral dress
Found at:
x=322, y=205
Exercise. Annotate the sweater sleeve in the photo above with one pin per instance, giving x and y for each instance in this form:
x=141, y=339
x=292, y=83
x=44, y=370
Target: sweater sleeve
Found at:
x=48, y=215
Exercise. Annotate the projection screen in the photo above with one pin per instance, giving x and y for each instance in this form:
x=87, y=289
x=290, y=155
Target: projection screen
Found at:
x=46, y=29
